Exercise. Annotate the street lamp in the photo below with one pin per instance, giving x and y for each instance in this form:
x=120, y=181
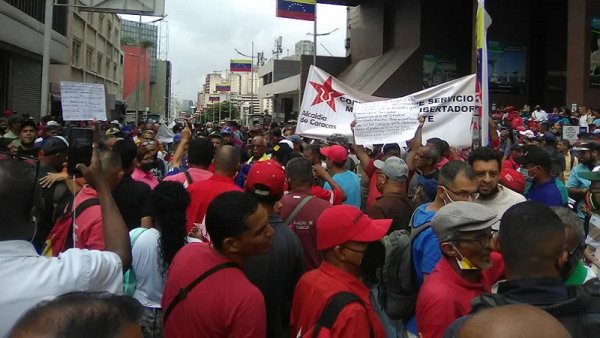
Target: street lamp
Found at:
x=314, y=35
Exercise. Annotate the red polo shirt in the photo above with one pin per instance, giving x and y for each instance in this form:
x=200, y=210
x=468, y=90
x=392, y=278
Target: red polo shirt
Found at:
x=202, y=193
x=316, y=288
x=445, y=296
x=225, y=304
x=88, y=232
x=304, y=224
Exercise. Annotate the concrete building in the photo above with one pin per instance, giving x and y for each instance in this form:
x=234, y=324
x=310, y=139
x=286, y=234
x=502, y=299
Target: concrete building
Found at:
x=95, y=57
x=241, y=93
x=539, y=50
x=21, y=42
x=304, y=47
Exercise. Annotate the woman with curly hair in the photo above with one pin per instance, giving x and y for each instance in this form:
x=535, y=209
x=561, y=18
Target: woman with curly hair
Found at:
x=152, y=250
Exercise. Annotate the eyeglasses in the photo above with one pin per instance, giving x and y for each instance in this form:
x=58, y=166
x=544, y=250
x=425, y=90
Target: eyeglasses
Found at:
x=483, y=240
x=462, y=194
x=354, y=250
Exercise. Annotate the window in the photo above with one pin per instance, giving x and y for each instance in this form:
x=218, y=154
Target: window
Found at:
x=108, y=30
x=88, y=58
x=75, y=52
x=115, y=72
x=101, y=24
x=107, y=68
x=99, y=58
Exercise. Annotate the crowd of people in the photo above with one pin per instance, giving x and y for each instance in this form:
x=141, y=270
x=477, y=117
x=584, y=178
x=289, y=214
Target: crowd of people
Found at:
x=233, y=231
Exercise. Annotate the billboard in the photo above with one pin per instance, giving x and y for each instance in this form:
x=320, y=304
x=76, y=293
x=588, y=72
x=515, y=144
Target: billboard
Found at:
x=507, y=68
x=136, y=7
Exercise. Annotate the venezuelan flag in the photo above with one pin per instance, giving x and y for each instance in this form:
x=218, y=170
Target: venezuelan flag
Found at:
x=296, y=9
x=240, y=66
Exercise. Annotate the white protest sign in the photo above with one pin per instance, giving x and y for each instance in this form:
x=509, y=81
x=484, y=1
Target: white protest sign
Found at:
x=82, y=101
x=327, y=106
x=570, y=133
x=448, y=109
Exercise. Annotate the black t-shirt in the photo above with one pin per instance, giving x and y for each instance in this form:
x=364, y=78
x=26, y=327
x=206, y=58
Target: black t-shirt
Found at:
x=132, y=199
x=276, y=273
x=55, y=199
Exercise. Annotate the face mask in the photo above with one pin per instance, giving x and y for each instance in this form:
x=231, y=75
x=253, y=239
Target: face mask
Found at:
x=146, y=167
x=448, y=196
x=463, y=262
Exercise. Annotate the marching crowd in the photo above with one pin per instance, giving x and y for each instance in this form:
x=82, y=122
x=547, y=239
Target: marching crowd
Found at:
x=229, y=231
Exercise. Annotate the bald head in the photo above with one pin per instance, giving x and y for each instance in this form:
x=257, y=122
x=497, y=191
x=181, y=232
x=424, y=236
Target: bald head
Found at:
x=515, y=320
x=227, y=160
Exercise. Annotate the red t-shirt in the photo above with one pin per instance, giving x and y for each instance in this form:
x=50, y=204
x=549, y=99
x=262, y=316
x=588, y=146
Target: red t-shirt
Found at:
x=303, y=225
x=202, y=193
x=510, y=163
x=88, y=231
x=372, y=172
x=334, y=197
x=225, y=304
x=445, y=296
x=313, y=292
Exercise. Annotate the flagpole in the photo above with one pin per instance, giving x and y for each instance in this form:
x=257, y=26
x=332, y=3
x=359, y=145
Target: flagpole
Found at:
x=485, y=116
x=315, y=38
x=252, y=82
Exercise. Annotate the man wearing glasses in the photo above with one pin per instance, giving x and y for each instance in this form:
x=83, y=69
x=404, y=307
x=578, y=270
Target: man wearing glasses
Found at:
x=466, y=270
x=456, y=182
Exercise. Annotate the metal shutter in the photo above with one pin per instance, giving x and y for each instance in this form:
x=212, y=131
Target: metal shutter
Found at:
x=25, y=85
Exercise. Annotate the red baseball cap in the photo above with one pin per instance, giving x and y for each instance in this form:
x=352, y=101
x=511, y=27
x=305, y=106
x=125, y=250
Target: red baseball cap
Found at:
x=343, y=223
x=512, y=179
x=336, y=153
x=269, y=174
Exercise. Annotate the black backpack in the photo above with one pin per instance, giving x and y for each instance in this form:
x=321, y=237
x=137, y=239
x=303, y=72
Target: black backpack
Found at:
x=398, y=286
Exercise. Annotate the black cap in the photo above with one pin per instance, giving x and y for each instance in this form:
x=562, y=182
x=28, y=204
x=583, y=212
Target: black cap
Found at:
x=535, y=155
x=54, y=145
x=588, y=146
x=28, y=122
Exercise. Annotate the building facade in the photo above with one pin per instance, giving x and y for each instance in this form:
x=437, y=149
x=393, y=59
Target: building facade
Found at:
x=95, y=57
x=21, y=43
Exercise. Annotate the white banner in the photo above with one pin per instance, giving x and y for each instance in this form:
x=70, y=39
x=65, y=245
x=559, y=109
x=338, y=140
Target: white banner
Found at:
x=82, y=101
x=329, y=106
x=448, y=109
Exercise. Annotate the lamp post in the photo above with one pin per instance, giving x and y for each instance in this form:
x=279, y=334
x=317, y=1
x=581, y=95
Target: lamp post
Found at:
x=314, y=35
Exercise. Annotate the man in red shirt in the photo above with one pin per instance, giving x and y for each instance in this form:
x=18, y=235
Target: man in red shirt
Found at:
x=224, y=304
x=343, y=233
x=227, y=163
x=300, y=179
x=88, y=233
x=466, y=270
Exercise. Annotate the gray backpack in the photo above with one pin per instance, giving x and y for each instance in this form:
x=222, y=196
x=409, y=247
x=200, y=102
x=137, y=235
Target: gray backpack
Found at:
x=398, y=286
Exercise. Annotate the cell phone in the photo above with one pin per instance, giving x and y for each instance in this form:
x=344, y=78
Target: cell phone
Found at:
x=80, y=148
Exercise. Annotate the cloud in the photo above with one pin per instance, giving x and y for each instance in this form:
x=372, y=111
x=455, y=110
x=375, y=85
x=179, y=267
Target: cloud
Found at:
x=204, y=33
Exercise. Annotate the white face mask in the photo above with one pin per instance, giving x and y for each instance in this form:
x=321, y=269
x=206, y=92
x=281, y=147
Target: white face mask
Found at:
x=448, y=196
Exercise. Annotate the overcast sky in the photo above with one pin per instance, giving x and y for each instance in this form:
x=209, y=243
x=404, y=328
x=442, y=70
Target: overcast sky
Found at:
x=203, y=35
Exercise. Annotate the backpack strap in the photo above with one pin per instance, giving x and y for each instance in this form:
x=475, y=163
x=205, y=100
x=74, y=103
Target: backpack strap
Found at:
x=135, y=234
x=297, y=209
x=333, y=308
x=414, y=232
x=83, y=206
x=183, y=292
x=188, y=178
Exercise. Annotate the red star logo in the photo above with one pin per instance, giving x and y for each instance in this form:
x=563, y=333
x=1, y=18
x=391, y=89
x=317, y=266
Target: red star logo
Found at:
x=325, y=93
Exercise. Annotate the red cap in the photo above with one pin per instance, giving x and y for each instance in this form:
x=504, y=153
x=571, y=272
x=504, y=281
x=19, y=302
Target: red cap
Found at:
x=344, y=223
x=520, y=128
x=512, y=179
x=336, y=153
x=268, y=173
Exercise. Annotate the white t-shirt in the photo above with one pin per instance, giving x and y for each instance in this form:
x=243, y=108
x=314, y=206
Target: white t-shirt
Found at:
x=146, y=264
x=27, y=278
x=539, y=116
x=504, y=199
